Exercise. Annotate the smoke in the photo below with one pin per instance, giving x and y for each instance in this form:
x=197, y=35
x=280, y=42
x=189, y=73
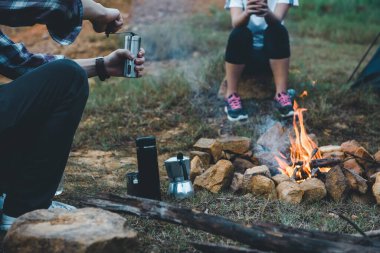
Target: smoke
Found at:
x=273, y=140
x=177, y=39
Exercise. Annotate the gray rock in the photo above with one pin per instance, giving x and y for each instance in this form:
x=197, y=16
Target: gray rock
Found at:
x=241, y=165
x=237, y=183
x=336, y=184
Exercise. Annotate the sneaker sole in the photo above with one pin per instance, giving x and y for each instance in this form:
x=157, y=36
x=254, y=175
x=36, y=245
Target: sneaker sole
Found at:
x=4, y=228
x=239, y=118
x=289, y=114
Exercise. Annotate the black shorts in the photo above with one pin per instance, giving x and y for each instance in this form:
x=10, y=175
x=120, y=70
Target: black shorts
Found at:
x=240, y=48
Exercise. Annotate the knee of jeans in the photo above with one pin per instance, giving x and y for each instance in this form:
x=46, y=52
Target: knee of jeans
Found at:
x=70, y=68
x=76, y=75
x=240, y=34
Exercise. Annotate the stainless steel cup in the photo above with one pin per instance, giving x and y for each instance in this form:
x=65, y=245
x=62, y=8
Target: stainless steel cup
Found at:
x=132, y=44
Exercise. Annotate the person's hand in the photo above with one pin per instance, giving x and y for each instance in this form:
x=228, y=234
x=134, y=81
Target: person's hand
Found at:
x=103, y=19
x=114, y=62
x=257, y=7
x=111, y=22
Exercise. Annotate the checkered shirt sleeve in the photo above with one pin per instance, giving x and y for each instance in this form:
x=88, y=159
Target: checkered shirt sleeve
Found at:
x=62, y=18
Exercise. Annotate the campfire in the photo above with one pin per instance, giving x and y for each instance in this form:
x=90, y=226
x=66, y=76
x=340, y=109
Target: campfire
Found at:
x=304, y=152
x=308, y=173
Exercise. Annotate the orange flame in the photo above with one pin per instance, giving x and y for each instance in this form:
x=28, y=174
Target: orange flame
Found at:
x=304, y=94
x=302, y=149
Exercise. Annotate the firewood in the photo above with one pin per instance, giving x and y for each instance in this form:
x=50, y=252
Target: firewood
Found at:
x=255, y=236
x=321, y=163
x=325, y=162
x=369, y=160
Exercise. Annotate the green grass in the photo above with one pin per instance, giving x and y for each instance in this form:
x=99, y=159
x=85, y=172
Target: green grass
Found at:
x=119, y=111
x=345, y=21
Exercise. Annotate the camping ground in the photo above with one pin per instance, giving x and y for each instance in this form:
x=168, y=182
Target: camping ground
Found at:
x=176, y=101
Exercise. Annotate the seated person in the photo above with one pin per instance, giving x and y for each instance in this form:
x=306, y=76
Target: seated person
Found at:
x=258, y=45
x=41, y=108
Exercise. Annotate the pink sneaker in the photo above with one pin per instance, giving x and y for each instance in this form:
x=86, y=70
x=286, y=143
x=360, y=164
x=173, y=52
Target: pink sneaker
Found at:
x=283, y=103
x=234, y=108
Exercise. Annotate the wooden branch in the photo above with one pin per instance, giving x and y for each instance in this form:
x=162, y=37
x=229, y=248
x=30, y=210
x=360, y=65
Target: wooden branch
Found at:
x=321, y=163
x=353, y=224
x=362, y=158
x=255, y=236
x=216, y=248
x=315, y=151
x=325, y=162
x=294, y=175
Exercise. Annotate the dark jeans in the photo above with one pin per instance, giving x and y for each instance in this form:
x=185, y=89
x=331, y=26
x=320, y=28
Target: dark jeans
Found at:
x=39, y=114
x=240, y=48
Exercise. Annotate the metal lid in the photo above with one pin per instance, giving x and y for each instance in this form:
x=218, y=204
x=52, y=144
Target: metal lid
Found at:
x=145, y=141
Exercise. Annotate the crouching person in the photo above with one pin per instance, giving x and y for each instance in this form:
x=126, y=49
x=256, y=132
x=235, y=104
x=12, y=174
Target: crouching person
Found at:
x=41, y=108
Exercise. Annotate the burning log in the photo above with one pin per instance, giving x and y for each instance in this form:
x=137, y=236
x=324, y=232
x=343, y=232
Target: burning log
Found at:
x=325, y=162
x=315, y=165
x=296, y=169
x=266, y=237
x=315, y=172
x=321, y=163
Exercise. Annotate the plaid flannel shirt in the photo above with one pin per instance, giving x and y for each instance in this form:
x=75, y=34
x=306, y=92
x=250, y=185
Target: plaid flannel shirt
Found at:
x=63, y=19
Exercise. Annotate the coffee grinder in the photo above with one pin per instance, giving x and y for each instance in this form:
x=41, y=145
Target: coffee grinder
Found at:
x=146, y=182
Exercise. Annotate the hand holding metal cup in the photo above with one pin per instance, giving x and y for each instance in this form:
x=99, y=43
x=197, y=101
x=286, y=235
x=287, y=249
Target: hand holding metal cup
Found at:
x=128, y=61
x=132, y=43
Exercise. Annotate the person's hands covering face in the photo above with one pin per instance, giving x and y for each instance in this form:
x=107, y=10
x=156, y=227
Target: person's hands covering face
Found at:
x=257, y=7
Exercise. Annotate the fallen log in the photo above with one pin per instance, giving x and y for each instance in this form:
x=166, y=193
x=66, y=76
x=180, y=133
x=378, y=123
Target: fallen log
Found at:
x=216, y=248
x=274, y=228
x=373, y=234
x=255, y=236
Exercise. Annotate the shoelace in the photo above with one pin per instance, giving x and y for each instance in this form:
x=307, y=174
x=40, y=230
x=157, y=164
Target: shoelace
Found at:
x=234, y=102
x=284, y=99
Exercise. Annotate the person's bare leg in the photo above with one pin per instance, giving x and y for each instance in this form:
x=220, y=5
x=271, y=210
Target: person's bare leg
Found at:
x=280, y=69
x=233, y=74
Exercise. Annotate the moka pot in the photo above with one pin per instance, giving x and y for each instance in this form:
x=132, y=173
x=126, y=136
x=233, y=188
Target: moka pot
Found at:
x=178, y=170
